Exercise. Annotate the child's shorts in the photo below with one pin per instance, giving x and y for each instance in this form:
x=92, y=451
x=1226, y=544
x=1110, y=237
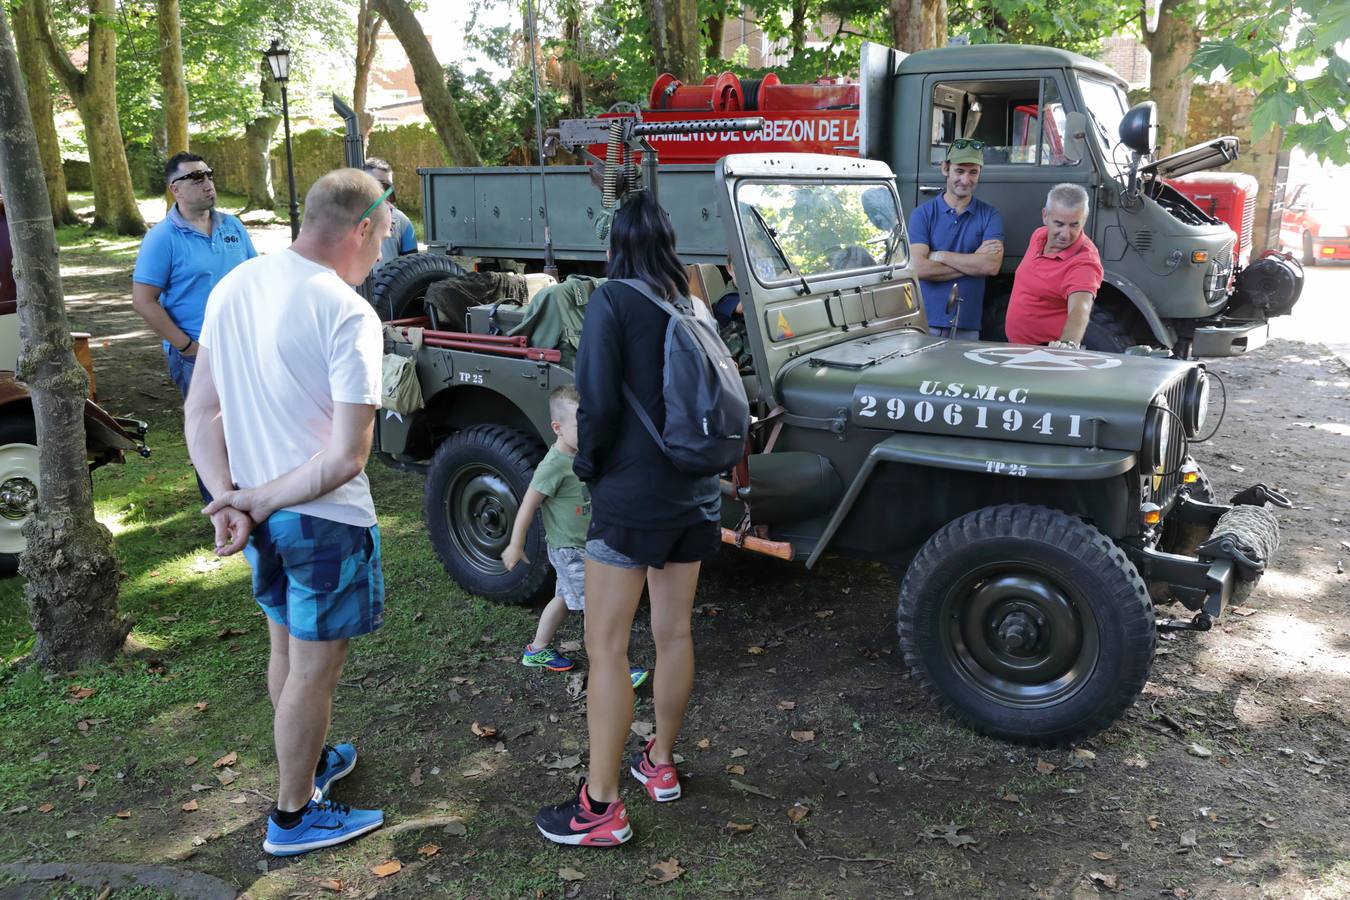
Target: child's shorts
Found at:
x=570, y=564
x=319, y=578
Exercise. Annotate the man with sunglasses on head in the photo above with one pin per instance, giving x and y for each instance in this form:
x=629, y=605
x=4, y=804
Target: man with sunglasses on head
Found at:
x=957, y=239
x=182, y=259
x=402, y=238
x=279, y=424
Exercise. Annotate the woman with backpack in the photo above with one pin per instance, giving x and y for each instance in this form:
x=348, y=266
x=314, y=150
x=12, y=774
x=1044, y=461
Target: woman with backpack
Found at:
x=651, y=522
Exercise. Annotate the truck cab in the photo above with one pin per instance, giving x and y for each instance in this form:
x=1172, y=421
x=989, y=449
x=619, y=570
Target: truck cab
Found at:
x=1047, y=116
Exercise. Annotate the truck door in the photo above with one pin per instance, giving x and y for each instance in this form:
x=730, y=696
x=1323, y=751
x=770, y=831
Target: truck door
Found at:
x=1020, y=119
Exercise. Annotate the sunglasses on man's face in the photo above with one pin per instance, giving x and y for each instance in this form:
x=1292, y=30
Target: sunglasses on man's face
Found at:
x=963, y=143
x=196, y=177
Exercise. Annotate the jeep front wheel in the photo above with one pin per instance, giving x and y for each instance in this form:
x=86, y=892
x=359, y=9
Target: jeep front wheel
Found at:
x=474, y=487
x=1027, y=624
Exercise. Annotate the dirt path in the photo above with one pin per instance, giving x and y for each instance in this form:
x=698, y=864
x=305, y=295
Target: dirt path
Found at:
x=1228, y=779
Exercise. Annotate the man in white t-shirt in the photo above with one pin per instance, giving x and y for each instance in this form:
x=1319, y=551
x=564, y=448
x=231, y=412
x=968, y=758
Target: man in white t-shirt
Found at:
x=279, y=421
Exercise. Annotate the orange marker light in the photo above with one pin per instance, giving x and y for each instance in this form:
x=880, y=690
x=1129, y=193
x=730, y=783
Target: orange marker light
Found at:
x=1199, y=256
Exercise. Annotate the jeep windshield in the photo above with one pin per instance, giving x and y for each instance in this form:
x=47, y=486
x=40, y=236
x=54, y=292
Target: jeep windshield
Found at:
x=798, y=232
x=1106, y=105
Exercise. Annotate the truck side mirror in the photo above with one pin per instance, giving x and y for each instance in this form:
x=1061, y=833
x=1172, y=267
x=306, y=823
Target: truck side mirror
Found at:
x=1075, y=137
x=1139, y=126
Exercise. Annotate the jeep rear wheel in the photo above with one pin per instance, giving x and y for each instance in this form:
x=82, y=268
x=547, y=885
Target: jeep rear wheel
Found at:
x=1027, y=624
x=474, y=487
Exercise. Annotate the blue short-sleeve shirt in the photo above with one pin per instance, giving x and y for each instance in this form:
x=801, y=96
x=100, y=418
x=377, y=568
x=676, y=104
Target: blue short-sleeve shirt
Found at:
x=186, y=264
x=942, y=228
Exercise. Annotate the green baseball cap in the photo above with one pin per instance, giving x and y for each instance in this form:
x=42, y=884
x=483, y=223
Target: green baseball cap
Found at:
x=965, y=150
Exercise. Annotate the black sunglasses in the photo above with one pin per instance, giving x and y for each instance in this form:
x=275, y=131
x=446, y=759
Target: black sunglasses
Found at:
x=963, y=143
x=196, y=177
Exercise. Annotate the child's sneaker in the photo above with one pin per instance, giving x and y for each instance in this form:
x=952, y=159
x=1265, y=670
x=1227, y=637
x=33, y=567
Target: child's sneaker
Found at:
x=660, y=779
x=546, y=658
x=639, y=676
x=576, y=822
x=339, y=760
x=320, y=825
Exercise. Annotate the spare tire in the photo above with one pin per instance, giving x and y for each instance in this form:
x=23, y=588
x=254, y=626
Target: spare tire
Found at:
x=401, y=284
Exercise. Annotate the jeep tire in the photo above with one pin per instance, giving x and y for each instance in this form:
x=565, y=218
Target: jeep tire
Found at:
x=475, y=484
x=1108, y=331
x=18, y=484
x=1027, y=625
x=401, y=284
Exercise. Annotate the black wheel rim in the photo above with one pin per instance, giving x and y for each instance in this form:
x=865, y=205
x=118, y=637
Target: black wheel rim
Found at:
x=480, y=508
x=1019, y=635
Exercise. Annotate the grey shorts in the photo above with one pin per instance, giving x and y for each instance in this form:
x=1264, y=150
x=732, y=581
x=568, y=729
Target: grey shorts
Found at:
x=604, y=554
x=570, y=565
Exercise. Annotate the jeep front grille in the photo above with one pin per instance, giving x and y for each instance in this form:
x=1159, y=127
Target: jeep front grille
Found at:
x=1166, y=491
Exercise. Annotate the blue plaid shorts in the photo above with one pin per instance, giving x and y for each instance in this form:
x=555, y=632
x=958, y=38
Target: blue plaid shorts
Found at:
x=319, y=578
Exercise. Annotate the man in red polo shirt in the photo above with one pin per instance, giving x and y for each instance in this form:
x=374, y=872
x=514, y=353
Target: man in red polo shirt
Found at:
x=1058, y=277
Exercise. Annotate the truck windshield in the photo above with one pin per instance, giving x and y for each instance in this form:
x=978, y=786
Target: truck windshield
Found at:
x=1106, y=105
x=795, y=231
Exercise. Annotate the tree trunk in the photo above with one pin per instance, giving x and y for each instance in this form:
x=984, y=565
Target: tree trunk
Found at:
x=258, y=145
x=918, y=24
x=797, y=26
x=677, y=38
x=69, y=563
x=573, y=79
x=717, y=29
x=171, y=78
x=34, y=66
x=430, y=77
x=368, y=25
x=1171, y=46
x=94, y=91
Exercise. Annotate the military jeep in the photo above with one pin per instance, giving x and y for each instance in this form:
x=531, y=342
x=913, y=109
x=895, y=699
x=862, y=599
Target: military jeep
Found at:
x=1035, y=500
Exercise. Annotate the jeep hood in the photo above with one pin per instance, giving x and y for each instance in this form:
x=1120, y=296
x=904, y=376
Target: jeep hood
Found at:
x=1209, y=155
x=914, y=382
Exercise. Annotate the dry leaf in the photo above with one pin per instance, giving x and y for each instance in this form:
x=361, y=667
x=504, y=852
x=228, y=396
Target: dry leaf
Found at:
x=824, y=613
x=1136, y=762
x=201, y=787
x=226, y=633
x=1102, y=855
x=1084, y=755
x=80, y=693
x=644, y=730
x=91, y=768
x=189, y=761
x=666, y=870
x=803, y=737
x=738, y=828
x=1012, y=798
x=1241, y=610
x=1110, y=882
x=46, y=808
x=190, y=806
x=735, y=770
x=798, y=812
x=331, y=884
x=1045, y=768
x=755, y=650
x=228, y=759
x=483, y=731
x=226, y=777
x=200, y=705
x=123, y=814
x=81, y=782
x=428, y=850
x=567, y=873
x=786, y=705
x=703, y=744
x=951, y=833
x=566, y=762
x=385, y=869
x=415, y=779
x=738, y=752
x=1189, y=838
x=1153, y=822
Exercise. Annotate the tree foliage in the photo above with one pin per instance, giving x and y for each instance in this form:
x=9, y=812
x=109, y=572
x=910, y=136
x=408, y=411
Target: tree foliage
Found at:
x=1297, y=61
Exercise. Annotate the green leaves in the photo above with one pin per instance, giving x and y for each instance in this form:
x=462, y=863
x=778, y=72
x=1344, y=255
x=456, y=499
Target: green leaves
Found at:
x=1275, y=108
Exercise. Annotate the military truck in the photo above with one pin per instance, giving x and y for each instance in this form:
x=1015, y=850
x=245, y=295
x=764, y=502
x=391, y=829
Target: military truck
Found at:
x=1035, y=501
x=1044, y=116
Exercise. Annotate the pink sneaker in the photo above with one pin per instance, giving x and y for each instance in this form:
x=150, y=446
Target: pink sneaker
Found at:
x=661, y=780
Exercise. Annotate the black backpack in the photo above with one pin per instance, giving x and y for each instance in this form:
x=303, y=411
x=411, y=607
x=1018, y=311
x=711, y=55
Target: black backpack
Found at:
x=707, y=413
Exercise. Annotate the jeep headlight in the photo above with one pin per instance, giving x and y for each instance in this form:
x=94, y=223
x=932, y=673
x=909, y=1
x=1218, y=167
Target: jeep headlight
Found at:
x=1195, y=401
x=1157, y=434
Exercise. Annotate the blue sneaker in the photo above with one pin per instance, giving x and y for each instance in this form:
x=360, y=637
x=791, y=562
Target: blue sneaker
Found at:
x=546, y=658
x=341, y=760
x=639, y=676
x=321, y=825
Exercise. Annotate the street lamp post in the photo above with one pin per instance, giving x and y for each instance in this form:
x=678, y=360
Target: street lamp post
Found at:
x=279, y=61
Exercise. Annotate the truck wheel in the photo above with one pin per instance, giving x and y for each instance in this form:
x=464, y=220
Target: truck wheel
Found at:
x=401, y=284
x=18, y=487
x=1309, y=257
x=474, y=486
x=1108, y=331
x=1027, y=625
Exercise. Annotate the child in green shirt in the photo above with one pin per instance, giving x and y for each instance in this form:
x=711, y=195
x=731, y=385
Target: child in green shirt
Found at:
x=565, y=504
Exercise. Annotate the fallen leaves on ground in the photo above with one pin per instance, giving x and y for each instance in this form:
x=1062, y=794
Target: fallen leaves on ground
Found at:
x=91, y=768
x=567, y=873
x=331, y=884
x=426, y=851
x=703, y=743
x=750, y=789
x=570, y=646
x=665, y=870
x=1153, y=822
x=1110, y=882
x=738, y=752
x=483, y=731
x=1243, y=611
x=786, y=705
x=385, y=869
x=756, y=650
x=200, y=706
x=735, y=769
x=1011, y=798
x=81, y=782
x=189, y=760
x=228, y=759
x=798, y=812
x=565, y=762
x=190, y=806
x=1045, y=768
x=738, y=828
x=80, y=693
x=951, y=833
x=46, y=808
x=803, y=737
x=415, y=779
x=1136, y=762
x=1102, y=855
x=226, y=633
x=226, y=777
x=644, y=730
x=1082, y=759
x=123, y=814
x=1189, y=838
x=455, y=828
x=824, y=613
x=1199, y=750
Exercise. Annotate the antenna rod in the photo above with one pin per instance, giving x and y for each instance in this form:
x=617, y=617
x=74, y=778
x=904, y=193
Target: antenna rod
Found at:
x=550, y=266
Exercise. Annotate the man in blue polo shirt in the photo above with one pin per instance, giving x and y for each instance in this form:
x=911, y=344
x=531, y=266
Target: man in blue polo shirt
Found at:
x=182, y=259
x=957, y=239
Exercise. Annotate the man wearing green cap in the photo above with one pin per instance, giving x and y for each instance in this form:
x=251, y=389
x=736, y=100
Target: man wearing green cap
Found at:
x=957, y=239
